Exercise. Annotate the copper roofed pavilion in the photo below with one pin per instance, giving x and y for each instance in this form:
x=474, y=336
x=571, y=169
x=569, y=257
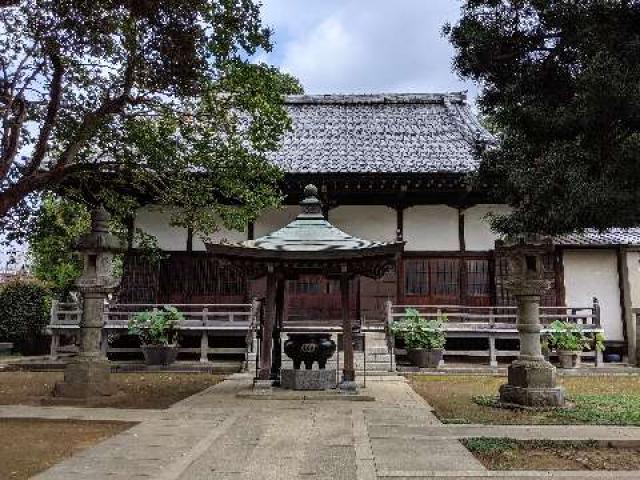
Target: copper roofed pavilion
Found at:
x=309, y=244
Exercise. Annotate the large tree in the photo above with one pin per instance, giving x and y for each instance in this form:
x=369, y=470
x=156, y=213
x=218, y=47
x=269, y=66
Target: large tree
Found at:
x=560, y=82
x=118, y=99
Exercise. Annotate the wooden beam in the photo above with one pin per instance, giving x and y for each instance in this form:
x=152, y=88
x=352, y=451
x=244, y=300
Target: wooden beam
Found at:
x=251, y=231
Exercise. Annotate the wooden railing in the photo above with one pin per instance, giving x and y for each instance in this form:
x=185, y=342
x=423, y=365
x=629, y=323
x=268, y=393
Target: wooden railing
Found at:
x=494, y=322
x=200, y=319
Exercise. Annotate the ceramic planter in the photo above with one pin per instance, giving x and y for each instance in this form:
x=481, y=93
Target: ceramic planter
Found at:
x=423, y=358
x=160, y=354
x=568, y=359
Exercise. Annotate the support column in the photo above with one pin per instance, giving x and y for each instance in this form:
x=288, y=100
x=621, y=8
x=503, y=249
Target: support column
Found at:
x=276, y=355
x=348, y=371
x=267, y=330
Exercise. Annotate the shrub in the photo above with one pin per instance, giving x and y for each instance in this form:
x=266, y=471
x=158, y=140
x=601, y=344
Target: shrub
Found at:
x=24, y=312
x=156, y=327
x=418, y=332
x=567, y=336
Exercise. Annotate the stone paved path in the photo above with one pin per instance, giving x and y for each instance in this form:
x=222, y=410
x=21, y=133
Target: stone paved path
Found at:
x=216, y=435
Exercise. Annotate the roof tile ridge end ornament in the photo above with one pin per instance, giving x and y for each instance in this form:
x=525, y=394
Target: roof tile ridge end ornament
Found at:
x=472, y=131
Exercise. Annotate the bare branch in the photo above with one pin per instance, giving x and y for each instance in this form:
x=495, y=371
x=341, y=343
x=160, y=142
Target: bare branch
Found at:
x=11, y=138
x=52, y=112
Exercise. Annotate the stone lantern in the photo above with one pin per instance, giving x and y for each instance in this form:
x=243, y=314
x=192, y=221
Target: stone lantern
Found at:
x=532, y=379
x=88, y=374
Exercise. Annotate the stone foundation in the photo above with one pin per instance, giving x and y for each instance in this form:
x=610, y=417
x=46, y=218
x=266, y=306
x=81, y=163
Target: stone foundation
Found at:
x=532, y=383
x=308, y=379
x=84, y=378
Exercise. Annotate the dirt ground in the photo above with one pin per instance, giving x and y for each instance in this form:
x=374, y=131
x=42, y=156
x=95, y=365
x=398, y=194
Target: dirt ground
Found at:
x=140, y=390
x=452, y=398
x=529, y=456
x=38, y=444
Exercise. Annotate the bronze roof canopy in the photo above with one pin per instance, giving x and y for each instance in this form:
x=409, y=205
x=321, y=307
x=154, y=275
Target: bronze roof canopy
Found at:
x=309, y=244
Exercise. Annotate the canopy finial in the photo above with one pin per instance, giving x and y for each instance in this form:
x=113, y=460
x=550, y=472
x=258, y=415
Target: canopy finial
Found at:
x=311, y=205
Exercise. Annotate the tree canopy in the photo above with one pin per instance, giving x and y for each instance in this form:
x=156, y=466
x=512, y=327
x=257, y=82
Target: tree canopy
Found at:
x=560, y=82
x=57, y=226
x=119, y=101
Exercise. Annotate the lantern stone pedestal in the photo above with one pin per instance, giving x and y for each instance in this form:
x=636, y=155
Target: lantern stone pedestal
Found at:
x=87, y=376
x=531, y=379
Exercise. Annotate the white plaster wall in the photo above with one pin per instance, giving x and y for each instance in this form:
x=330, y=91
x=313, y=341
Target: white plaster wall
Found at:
x=477, y=232
x=156, y=221
x=594, y=273
x=274, y=219
x=431, y=227
x=633, y=264
x=375, y=222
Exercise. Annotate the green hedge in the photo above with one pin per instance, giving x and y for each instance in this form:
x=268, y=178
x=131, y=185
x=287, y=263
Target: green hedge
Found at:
x=24, y=312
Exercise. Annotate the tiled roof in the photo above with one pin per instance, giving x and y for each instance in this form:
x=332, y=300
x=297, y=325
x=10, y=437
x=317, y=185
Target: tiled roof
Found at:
x=399, y=133
x=614, y=236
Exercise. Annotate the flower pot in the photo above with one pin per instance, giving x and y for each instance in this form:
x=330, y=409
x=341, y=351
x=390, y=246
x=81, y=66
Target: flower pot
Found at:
x=423, y=358
x=569, y=359
x=160, y=354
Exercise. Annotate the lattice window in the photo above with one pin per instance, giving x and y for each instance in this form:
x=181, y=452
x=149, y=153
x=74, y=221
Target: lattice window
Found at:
x=445, y=277
x=416, y=277
x=478, y=279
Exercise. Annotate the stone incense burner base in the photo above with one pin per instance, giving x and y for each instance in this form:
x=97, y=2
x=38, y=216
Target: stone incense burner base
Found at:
x=323, y=379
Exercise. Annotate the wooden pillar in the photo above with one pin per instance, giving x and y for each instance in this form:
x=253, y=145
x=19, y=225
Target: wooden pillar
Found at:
x=628, y=322
x=189, y=239
x=267, y=328
x=348, y=371
x=276, y=355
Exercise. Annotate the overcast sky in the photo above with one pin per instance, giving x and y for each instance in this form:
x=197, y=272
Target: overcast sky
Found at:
x=354, y=46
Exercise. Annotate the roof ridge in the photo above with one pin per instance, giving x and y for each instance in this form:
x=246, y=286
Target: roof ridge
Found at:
x=379, y=98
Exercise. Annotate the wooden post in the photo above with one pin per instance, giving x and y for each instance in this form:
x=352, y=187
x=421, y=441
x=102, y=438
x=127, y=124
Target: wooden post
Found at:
x=628, y=322
x=267, y=331
x=276, y=355
x=55, y=337
x=493, y=359
x=204, y=338
x=348, y=370
x=389, y=333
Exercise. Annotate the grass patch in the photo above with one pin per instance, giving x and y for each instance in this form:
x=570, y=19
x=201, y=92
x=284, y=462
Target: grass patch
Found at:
x=604, y=400
x=510, y=454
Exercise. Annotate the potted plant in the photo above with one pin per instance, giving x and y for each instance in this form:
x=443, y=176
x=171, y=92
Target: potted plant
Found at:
x=424, y=339
x=158, y=335
x=569, y=341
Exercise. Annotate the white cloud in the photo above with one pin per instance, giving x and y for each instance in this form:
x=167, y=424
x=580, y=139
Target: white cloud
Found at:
x=365, y=45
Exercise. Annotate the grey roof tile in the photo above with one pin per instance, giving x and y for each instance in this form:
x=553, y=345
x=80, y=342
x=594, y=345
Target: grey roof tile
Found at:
x=399, y=133
x=591, y=237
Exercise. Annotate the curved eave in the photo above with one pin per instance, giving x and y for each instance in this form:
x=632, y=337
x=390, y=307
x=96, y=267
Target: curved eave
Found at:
x=336, y=255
